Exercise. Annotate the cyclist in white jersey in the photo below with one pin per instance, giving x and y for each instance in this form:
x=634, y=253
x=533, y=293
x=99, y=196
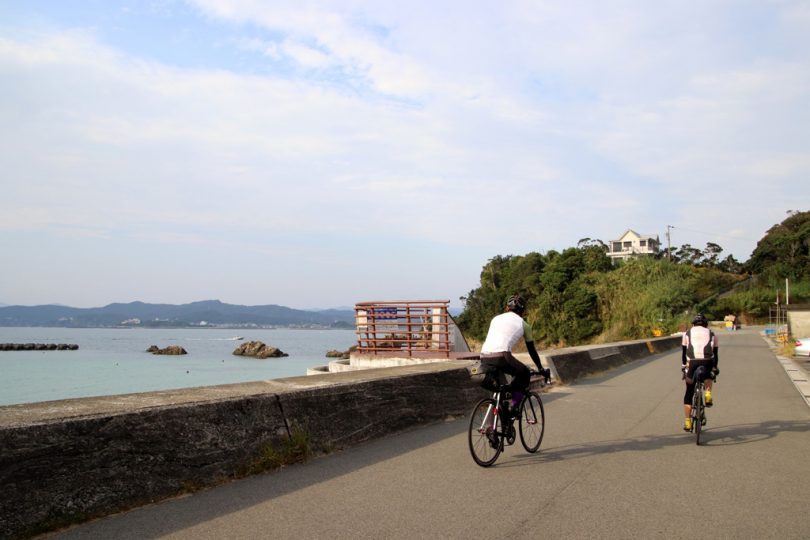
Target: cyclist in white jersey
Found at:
x=699, y=347
x=505, y=330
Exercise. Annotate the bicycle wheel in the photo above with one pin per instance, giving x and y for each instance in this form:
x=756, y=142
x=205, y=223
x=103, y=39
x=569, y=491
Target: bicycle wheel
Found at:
x=697, y=408
x=532, y=422
x=486, y=442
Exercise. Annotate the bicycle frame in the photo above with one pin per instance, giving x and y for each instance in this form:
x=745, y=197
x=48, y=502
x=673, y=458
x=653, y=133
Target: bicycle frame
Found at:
x=698, y=406
x=496, y=396
x=491, y=427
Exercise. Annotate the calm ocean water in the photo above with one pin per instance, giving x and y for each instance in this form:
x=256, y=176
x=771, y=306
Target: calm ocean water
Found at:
x=114, y=361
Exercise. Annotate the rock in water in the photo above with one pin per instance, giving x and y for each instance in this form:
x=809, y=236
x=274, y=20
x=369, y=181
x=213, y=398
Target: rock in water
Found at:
x=170, y=350
x=258, y=349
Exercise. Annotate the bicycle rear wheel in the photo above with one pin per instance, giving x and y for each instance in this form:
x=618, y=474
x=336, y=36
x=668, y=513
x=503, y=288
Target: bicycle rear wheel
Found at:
x=485, y=440
x=532, y=422
x=697, y=407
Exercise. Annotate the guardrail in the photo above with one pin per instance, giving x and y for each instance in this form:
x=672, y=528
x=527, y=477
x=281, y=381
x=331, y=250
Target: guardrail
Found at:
x=408, y=327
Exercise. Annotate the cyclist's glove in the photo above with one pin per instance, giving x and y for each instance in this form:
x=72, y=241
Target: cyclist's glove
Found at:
x=684, y=369
x=715, y=372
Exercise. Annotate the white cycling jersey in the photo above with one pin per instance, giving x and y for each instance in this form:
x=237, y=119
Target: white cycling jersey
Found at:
x=699, y=342
x=505, y=331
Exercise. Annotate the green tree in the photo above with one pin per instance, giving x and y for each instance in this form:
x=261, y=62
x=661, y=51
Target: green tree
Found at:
x=784, y=251
x=711, y=255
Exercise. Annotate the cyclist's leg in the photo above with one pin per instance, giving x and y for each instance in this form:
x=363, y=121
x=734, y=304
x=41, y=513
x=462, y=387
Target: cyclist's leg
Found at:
x=706, y=379
x=687, y=406
x=496, y=363
x=519, y=386
x=520, y=373
x=688, y=395
x=707, y=383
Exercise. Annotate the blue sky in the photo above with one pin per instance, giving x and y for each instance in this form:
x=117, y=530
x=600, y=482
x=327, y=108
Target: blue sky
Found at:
x=317, y=154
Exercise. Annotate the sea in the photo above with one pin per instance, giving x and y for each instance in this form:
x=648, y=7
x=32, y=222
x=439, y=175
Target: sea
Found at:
x=113, y=361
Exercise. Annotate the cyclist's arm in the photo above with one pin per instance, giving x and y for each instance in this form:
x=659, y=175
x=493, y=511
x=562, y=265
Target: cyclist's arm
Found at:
x=683, y=355
x=534, y=355
x=527, y=336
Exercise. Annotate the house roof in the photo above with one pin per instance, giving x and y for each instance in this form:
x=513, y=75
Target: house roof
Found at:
x=635, y=235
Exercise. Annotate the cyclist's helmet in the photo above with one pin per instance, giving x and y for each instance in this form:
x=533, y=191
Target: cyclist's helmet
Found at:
x=516, y=303
x=700, y=320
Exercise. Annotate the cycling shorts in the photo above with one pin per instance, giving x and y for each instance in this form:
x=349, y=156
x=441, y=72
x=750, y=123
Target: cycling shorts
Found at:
x=693, y=365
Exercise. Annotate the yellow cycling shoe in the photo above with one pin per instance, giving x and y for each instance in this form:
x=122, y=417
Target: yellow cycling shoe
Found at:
x=687, y=424
x=708, y=396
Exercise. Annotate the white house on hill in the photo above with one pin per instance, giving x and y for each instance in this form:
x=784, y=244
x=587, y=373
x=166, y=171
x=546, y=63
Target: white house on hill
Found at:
x=632, y=244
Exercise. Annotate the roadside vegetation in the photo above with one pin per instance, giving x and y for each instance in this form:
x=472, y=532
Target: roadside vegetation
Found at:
x=295, y=449
x=578, y=296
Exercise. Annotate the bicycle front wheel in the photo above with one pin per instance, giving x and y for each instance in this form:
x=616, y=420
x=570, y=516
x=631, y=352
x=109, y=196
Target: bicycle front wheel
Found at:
x=486, y=441
x=532, y=422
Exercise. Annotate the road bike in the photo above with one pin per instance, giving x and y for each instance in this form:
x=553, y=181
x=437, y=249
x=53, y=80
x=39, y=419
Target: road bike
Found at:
x=698, y=403
x=492, y=422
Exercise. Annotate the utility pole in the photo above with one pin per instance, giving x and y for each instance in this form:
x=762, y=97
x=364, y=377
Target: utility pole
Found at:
x=669, y=249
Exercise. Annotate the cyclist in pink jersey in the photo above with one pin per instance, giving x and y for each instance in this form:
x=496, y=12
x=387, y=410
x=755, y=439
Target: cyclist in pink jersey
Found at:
x=699, y=348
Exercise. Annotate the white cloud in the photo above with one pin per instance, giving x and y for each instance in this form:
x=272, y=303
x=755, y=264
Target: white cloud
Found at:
x=484, y=128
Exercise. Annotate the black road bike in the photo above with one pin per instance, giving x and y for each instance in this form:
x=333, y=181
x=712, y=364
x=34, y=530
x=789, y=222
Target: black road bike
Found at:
x=698, y=403
x=492, y=423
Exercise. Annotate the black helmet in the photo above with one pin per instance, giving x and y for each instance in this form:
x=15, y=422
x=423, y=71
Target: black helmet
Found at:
x=700, y=320
x=516, y=303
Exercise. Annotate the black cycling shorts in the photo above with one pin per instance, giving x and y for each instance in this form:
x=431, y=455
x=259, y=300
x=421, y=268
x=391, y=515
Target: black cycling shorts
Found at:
x=507, y=363
x=693, y=365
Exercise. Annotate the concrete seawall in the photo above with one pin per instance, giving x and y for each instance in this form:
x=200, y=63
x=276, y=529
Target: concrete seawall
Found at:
x=63, y=462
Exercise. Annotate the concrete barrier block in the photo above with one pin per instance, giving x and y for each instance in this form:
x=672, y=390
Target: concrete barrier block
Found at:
x=341, y=415
x=64, y=471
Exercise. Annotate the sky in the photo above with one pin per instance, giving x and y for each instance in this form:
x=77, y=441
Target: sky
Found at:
x=316, y=154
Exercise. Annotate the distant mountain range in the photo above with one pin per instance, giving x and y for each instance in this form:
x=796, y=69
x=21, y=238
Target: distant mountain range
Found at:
x=208, y=313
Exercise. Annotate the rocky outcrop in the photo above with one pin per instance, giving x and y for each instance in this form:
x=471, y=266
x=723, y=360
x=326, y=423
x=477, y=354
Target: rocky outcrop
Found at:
x=170, y=350
x=38, y=347
x=341, y=354
x=258, y=349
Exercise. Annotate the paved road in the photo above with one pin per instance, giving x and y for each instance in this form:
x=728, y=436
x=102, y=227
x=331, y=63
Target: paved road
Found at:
x=614, y=464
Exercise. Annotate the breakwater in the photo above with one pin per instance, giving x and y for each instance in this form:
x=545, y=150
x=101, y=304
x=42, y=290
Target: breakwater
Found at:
x=63, y=462
x=38, y=347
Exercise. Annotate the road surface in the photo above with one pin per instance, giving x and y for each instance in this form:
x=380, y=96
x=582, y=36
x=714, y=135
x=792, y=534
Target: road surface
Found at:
x=614, y=463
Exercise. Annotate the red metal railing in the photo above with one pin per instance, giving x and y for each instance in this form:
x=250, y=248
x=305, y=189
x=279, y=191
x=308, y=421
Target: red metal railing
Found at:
x=411, y=327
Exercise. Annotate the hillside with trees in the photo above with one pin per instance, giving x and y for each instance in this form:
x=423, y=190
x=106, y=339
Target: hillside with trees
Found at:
x=578, y=296
x=782, y=255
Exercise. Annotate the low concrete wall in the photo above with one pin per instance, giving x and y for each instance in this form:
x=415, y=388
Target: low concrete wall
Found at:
x=357, y=361
x=571, y=364
x=63, y=462
x=67, y=461
x=799, y=320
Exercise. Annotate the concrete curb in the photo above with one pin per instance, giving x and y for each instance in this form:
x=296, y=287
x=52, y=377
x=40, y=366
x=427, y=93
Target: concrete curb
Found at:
x=797, y=376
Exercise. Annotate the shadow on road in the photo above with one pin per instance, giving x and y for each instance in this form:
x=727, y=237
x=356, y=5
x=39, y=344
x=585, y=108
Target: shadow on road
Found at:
x=175, y=514
x=599, y=378
x=715, y=437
